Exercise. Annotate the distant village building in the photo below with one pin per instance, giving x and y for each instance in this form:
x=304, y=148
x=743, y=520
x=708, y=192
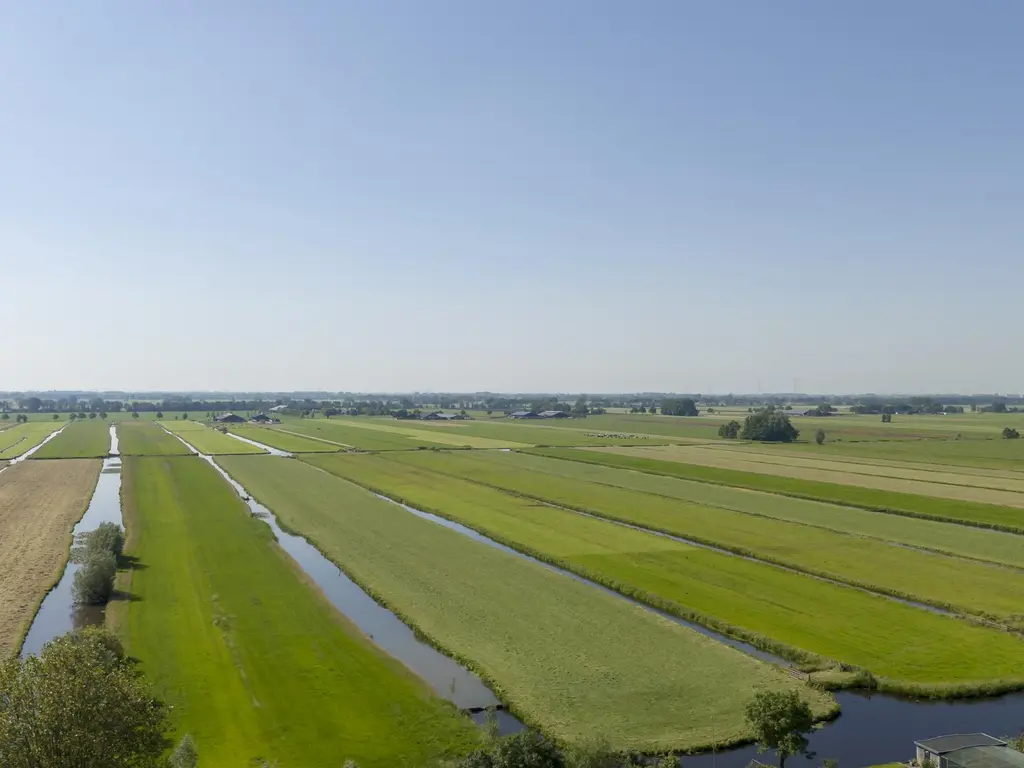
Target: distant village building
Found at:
x=554, y=415
x=968, y=750
x=522, y=415
x=438, y=416
x=279, y=408
x=262, y=418
x=228, y=418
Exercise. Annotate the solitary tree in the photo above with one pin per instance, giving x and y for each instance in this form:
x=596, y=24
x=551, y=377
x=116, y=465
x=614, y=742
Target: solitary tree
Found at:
x=56, y=416
x=135, y=414
x=1010, y=433
x=780, y=721
x=72, y=416
x=769, y=426
x=159, y=414
x=81, y=702
x=819, y=436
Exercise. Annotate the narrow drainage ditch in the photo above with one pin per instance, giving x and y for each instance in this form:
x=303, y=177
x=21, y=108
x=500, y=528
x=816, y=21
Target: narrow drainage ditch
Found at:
x=446, y=677
x=873, y=727
x=27, y=454
x=58, y=613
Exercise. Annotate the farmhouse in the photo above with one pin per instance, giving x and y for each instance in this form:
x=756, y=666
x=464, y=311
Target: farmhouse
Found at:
x=554, y=415
x=228, y=418
x=968, y=750
x=522, y=415
x=438, y=416
x=279, y=408
x=262, y=418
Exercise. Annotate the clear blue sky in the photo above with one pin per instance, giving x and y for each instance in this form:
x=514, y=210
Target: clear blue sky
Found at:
x=461, y=195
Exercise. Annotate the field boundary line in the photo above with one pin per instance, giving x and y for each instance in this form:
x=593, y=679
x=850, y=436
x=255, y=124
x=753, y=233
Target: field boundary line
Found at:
x=1019, y=531
x=975, y=617
x=310, y=437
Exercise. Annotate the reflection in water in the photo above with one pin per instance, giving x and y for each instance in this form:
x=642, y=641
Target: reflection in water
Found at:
x=58, y=614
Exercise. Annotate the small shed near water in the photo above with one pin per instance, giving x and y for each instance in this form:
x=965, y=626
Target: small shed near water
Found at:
x=968, y=750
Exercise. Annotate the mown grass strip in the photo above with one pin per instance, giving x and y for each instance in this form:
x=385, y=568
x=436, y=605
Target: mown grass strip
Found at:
x=552, y=647
x=909, y=649
x=980, y=589
x=929, y=508
x=83, y=439
x=146, y=438
x=282, y=440
x=255, y=661
x=208, y=440
x=15, y=440
x=985, y=545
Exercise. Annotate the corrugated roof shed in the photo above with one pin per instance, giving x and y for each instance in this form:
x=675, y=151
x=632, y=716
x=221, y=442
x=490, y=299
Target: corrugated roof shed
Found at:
x=940, y=745
x=995, y=756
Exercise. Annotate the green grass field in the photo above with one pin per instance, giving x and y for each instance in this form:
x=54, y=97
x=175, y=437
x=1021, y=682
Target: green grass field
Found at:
x=551, y=645
x=342, y=435
x=83, y=439
x=208, y=440
x=254, y=660
x=994, y=453
x=912, y=648
x=282, y=440
x=17, y=439
x=977, y=588
x=949, y=538
x=146, y=438
x=972, y=513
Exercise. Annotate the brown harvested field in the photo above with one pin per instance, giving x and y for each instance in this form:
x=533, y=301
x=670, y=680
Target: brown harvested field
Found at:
x=841, y=473
x=936, y=474
x=40, y=502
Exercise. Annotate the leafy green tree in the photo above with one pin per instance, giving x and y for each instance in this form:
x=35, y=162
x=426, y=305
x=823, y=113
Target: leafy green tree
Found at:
x=81, y=703
x=72, y=416
x=780, y=721
x=92, y=414
x=819, y=437
x=56, y=416
x=94, y=581
x=580, y=409
x=679, y=407
x=769, y=426
x=886, y=418
x=5, y=416
x=185, y=755
x=135, y=414
x=729, y=431
x=103, y=414
x=1009, y=433
x=159, y=414
x=654, y=409
x=184, y=417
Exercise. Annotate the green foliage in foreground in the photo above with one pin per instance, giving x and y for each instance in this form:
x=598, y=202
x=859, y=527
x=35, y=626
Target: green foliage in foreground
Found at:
x=145, y=438
x=81, y=702
x=569, y=658
x=255, y=661
x=80, y=440
x=912, y=649
x=929, y=507
x=978, y=588
x=208, y=440
x=781, y=722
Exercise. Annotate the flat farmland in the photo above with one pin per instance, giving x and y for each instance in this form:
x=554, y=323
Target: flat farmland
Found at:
x=418, y=434
x=913, y=649
x=978, y=588
x=40, y=502
x=343, y=435
x=935, y=508
x=146, y=438
x=84, y=439
x=15, y=440
x=992, y=454
x=255, y=661
x=518, y=433
x=551, y=645
x=797, y=469
x=208, y=440
x=949, y=538
x=283, y=441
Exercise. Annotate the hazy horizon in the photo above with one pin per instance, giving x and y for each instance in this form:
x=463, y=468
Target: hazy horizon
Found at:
x=460, y=197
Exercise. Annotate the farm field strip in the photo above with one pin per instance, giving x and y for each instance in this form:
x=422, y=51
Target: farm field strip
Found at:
x=551, y=645
x=717, y=459
x=40, y=502
x=206, y=439
x=913, y=649
x=281, y=440
x=990, y=454
x=946, y=538
x=15, y=440
x=979, y=588
x=925, y=474
x=449, y=437
x=927, y=507
x=270, y=677
x=83, y=439
x=147, y=438
x=530, y=432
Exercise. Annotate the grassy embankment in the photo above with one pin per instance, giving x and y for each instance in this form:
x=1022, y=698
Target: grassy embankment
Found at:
x=40, y=502
x=552, y=646
x=950, y=510
x=978, y=588
x=145, y=438
x=282, y=440
x=948, y=538
x=84, y=439
x=208, y=440
x=909, y=649
x=17, y=439
x=255, y=661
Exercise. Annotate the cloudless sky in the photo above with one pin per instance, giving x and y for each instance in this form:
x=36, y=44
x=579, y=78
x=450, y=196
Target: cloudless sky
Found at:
x=513, y=196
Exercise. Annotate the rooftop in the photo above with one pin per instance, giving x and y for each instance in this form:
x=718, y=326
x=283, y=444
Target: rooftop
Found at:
x=940, y=745
x=992, y=756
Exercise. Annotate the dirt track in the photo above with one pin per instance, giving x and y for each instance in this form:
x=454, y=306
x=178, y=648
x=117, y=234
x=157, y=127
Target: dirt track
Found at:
x=40, y=502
